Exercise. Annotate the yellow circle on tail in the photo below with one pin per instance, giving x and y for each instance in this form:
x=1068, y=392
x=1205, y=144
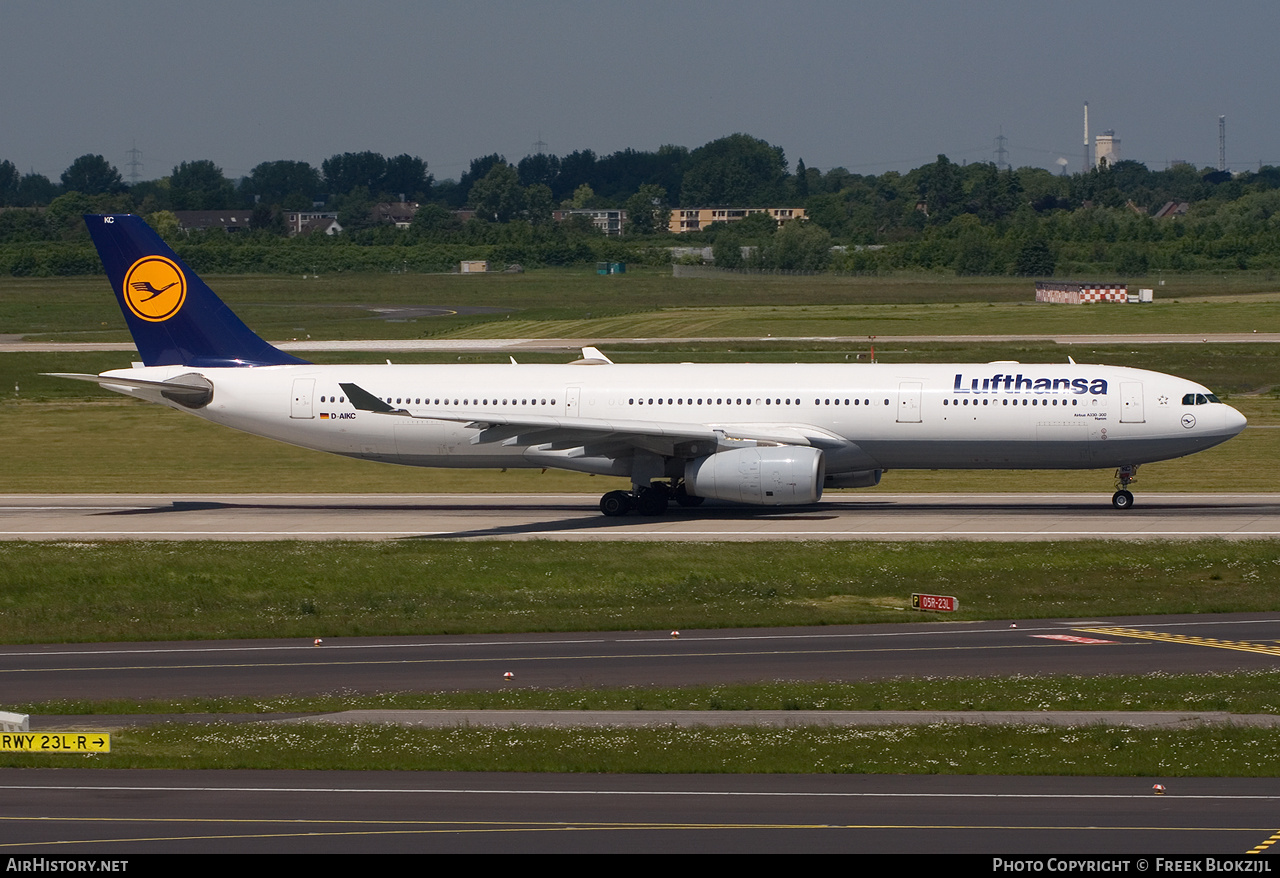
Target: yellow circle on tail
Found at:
x=155, y=288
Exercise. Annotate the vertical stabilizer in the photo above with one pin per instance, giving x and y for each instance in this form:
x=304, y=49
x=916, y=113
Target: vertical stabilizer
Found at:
x=175, y=319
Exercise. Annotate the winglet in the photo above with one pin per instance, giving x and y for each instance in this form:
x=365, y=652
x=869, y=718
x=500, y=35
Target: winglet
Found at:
x=175, y=319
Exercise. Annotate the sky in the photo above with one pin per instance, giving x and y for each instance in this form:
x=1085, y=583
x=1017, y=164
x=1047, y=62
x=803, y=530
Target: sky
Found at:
x=869, y=86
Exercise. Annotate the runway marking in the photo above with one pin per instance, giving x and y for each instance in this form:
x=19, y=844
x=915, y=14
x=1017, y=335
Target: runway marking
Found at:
x=522, y=658
x=1189, y=639
x=766, y=794
x=1071, y=639
x=460, y=827
x=467, y=826
x=966, y=629
x=1262, y=848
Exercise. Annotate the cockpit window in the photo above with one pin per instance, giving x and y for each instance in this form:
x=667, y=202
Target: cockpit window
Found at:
x=1199, y=399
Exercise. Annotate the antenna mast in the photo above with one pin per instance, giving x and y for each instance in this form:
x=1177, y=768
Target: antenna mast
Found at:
x=1222, y=143
x=134, y=164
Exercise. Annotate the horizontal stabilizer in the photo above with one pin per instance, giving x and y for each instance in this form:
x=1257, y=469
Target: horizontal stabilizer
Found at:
x=191, y=390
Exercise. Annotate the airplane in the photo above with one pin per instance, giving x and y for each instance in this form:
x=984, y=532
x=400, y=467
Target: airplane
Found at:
x=764, y=435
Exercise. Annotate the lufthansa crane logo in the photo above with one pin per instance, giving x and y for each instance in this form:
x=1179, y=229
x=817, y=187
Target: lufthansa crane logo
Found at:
x=154, y=288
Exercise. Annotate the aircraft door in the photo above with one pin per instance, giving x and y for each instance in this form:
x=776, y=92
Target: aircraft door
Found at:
x=1131, y=403
x=571, y=401
x=303, y=395
x=909, y=402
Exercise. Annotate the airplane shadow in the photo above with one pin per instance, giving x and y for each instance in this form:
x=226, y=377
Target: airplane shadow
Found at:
x=600, y=523
x=568, y=518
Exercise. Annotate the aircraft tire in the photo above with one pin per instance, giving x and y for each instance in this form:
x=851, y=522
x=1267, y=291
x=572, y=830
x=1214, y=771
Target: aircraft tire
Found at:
x=616, y=503
x=651, y=502
x=684, y=498
x=1122, y=500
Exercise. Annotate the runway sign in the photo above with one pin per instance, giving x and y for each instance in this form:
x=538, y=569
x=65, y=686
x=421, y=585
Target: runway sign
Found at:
x=55, y=742
x=939, y=603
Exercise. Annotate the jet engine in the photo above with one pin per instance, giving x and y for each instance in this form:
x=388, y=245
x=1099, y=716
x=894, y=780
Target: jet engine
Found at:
x=783, y=475
x=867, y=478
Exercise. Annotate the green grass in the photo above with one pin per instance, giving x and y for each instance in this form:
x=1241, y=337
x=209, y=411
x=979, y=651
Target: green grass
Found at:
x=934, y=749
x=650, y=302
x=1242, y=692
x=68, y=592
x=862, y=321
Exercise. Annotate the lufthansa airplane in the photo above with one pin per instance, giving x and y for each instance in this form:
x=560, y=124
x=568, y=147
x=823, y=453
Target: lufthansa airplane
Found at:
x=769, y=435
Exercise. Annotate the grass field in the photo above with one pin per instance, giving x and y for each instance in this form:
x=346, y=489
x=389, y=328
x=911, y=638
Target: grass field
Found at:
x=1243, y=692
x=1220, y=751
x=75, y=592
x=578, y=303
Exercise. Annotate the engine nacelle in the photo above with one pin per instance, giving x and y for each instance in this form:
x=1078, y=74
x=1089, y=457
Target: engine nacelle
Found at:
x=867, y=478
x=770, y=476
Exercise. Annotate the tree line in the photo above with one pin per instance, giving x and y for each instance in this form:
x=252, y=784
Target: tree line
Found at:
x=969, y=219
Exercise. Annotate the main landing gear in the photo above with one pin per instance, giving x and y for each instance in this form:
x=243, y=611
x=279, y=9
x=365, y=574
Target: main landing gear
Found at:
x=1125, y=476
x=649, y=501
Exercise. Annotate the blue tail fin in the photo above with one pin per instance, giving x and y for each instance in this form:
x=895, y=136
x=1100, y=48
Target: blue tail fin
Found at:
x=175, y=319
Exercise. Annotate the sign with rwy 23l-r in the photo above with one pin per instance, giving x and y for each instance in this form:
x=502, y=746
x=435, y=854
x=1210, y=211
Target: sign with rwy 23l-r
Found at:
x=55, y=742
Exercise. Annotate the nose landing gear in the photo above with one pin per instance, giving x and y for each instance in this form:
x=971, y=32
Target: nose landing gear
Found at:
x=1123, y=497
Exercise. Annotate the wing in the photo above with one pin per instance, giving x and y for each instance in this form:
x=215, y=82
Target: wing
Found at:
x=661, y=437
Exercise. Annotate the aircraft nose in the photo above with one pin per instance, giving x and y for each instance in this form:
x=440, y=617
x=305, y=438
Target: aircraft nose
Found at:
x=1235, y=422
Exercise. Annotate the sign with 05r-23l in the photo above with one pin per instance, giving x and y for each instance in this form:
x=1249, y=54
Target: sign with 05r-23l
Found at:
x=940, y=603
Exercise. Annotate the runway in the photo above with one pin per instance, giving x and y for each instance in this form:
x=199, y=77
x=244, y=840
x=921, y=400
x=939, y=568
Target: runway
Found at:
x=72, y=813
x=606, y=659
x=68, y=813
x=1009, y=517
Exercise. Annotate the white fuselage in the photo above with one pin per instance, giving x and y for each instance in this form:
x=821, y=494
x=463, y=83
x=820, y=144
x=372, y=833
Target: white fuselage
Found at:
x=879, y=416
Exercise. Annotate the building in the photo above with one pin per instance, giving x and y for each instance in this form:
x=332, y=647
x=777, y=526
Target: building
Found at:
x=398, y=212
x=321, y=225
x=297, y=221
x=202, y=220
x=695, y=218
x=608, y=221
x=1172, y=209
x=1106, y=149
